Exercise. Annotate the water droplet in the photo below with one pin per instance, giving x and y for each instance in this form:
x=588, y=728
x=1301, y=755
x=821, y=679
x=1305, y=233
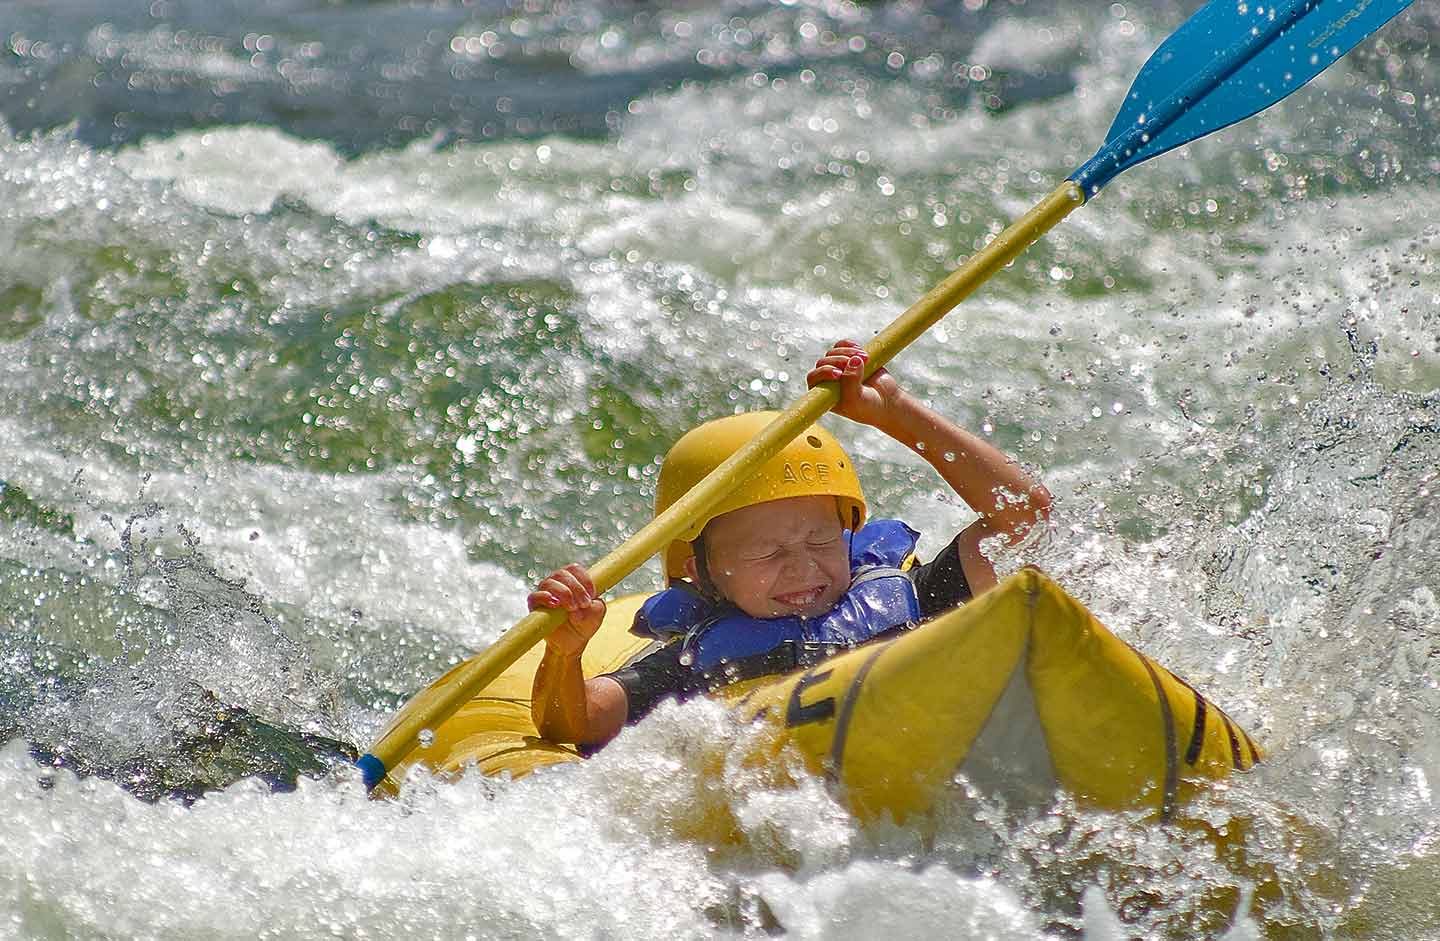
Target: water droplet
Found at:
x=427, y=737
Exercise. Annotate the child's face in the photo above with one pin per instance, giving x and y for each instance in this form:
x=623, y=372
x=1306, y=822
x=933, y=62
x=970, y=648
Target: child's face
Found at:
x=782, y=558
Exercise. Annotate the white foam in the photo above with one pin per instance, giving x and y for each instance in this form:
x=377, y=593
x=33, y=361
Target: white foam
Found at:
x=866, y=900
x=220, y=168
x=1027, y=45
x=326, y=544
x=87, y=859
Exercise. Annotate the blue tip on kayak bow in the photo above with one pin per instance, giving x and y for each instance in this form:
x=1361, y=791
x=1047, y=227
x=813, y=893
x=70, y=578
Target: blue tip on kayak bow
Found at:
x=1230, y=60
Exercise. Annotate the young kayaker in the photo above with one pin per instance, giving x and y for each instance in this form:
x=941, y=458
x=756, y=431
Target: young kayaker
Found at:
x=785, y=571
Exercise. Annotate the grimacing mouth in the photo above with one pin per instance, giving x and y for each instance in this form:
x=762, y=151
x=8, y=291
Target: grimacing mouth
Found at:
x=802, y=598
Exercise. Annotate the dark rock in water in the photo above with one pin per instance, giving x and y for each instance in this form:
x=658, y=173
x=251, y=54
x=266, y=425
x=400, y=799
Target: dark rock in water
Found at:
x=231, y=744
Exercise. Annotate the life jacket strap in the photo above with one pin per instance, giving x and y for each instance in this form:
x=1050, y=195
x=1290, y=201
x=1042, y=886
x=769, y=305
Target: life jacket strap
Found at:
x=869, y=573
x=785, y=657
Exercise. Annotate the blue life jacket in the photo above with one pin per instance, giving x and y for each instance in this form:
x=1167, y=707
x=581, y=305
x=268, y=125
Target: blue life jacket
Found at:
x=880, y=597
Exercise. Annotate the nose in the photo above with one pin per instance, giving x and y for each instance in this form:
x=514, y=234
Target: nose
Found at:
x=801, y=559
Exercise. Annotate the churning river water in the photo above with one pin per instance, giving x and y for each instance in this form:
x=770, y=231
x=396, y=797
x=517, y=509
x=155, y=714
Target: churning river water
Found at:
x=326, y=327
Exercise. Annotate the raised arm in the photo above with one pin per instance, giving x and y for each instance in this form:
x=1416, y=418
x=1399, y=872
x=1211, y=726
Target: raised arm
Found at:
x=1010, y=502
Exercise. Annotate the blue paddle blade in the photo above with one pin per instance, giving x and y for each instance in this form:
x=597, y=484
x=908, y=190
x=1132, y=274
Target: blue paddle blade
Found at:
x=1230, y=60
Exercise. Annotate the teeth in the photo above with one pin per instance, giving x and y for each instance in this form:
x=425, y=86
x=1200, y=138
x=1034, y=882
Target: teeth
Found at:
x=800, y=598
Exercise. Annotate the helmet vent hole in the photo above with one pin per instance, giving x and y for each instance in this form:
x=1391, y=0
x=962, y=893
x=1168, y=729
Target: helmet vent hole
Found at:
x=813, y=441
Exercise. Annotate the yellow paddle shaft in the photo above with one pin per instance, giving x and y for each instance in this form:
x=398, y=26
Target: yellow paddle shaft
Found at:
x=439, y=702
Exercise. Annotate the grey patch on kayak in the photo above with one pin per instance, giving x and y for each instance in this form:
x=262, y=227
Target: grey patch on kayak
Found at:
x=1010, y=757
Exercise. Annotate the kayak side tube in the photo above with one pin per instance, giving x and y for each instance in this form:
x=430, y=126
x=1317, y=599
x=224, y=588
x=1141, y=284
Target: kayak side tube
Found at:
x=1023, y=690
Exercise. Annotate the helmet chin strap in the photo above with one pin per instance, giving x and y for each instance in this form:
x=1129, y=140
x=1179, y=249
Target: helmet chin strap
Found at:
x=702, y=570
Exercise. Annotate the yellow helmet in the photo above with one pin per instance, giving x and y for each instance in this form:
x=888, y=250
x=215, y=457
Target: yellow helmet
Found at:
x=813, y=464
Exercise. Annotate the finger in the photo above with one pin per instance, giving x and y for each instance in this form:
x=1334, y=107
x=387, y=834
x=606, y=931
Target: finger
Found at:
x=561, y=584
x=582, y=589
x=826, y=370
x=574, y=594
x=582, y=576
x=833, y=360
x=563, y=594
x=842, y=355
x=541, y=599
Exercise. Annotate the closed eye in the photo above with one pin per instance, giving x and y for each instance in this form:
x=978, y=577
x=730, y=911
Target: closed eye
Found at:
x=823, y=543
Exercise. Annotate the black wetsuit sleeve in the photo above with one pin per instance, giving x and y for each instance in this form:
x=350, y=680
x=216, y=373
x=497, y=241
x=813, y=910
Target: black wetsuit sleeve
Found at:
x=655, y=675
x=940, y=584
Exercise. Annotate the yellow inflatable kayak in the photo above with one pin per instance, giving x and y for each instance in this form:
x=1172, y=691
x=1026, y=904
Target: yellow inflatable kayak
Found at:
x=1020, y=690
